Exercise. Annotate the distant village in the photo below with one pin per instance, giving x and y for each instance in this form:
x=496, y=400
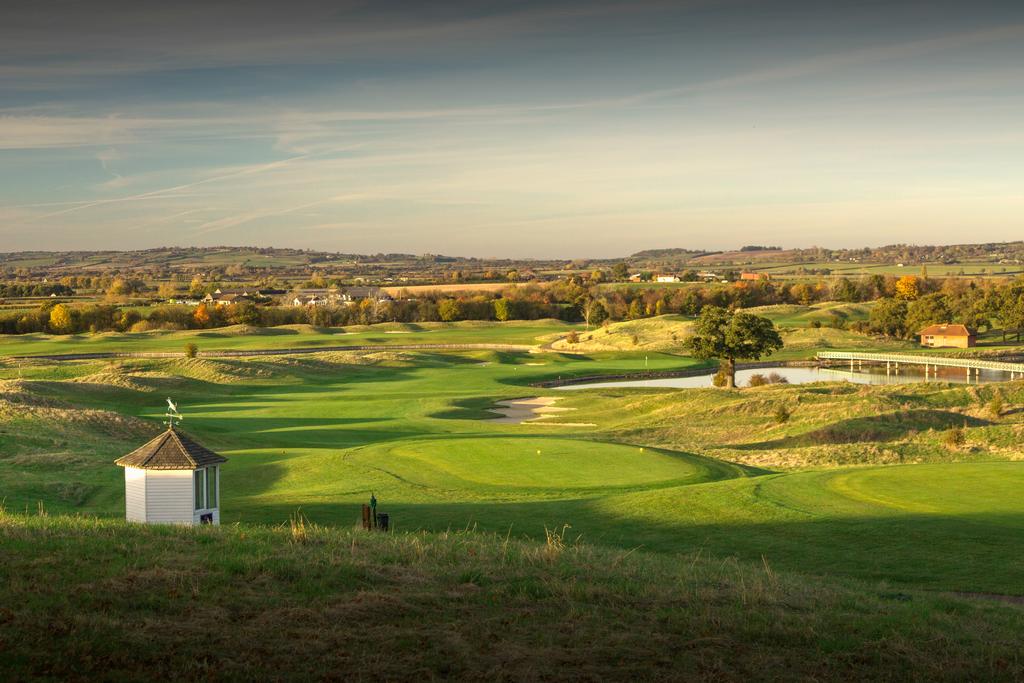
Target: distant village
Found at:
x=321, y=296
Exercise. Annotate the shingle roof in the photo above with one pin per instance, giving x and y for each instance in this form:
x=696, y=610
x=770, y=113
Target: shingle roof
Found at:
x=947, y=331
x=172, y=450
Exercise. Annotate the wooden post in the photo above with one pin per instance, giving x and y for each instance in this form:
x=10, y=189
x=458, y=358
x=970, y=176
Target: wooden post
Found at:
x=367, y=523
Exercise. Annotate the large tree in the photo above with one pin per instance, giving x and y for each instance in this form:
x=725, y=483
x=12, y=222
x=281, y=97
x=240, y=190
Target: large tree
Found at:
x=889, y=317
x=61, y=320
x=928, y=310
x=730, y=336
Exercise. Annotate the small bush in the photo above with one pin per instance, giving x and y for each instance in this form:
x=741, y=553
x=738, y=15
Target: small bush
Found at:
x=144, y=326
x=636, y=339
x=995, y=405
x=191, y=350
x=720, y=378
x=955, y=437
x=782, y=414
x=837, y=322
x=759, y=380
x=572, y=338
x=816, y=324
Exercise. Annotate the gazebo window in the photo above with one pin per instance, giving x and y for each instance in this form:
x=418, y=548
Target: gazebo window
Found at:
x=211, y=487
x=198, y=486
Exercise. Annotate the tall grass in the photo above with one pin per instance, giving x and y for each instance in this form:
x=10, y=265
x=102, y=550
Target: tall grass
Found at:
x=242, y=603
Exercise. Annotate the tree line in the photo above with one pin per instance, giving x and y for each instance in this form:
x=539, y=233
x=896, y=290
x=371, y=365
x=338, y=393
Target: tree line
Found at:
x=914, y=307
x=904, y=305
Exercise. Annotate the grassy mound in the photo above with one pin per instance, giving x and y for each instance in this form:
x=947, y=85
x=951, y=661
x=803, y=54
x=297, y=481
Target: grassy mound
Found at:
x=827, y=313
x=664, y=333
x=829, y=424
x=526, y=468
x=235, y=603
x=59, y=454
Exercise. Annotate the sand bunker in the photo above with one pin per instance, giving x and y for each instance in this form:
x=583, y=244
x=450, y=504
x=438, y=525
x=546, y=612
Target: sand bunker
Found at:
x=522, y=410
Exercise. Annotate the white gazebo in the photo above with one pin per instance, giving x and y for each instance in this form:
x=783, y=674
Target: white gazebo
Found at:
x=172, y=480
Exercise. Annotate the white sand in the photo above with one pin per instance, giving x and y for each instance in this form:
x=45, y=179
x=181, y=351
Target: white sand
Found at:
x=522, y=410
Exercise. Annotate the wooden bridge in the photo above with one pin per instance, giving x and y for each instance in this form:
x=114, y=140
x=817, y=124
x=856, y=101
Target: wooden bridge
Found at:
x=931, y=363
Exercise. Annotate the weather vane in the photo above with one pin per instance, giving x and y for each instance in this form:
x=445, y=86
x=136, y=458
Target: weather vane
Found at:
x=172, y=414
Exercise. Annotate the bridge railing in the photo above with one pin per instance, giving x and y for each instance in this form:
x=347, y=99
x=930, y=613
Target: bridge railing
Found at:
x=923, y=359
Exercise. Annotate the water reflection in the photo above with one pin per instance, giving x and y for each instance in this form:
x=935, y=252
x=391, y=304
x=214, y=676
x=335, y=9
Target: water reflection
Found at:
x=867, y=375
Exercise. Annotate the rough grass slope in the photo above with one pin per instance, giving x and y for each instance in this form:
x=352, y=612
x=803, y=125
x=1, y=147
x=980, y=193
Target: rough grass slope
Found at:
x=302, y=602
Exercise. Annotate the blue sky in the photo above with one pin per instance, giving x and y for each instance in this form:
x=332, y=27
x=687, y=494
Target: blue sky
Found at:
x=510, y=129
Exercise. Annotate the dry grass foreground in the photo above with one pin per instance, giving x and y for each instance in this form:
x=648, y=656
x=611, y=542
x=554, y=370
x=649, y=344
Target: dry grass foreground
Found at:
x=82, y=599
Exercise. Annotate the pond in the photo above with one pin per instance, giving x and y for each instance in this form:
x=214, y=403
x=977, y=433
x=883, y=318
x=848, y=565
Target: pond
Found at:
x=804, y=375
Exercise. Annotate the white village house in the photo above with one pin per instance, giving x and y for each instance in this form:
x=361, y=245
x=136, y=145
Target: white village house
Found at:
x=172, y=480
x=348, y=297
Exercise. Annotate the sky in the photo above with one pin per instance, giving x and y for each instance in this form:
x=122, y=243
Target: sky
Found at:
x=510, y=129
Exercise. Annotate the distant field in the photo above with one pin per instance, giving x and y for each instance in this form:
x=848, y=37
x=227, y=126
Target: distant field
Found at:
x=668, y=333
x=450, y=288
x=659, y=334
x=852, y=270
x=727, y=257
x=286, y=336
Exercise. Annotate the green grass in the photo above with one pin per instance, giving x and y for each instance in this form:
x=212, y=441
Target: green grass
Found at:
x=822, y=547
x=856, y=270
x=794, y=315
x=305, y=602
x=321, y=432
x=287, y=336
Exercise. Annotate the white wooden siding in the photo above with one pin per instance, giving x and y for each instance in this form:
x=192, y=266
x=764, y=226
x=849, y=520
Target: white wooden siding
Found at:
x=134, y=494
x=169, y=496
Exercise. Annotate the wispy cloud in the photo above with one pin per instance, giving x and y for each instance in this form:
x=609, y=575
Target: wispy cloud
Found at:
x=177, y=189
x=499, y=125
x=250, y=216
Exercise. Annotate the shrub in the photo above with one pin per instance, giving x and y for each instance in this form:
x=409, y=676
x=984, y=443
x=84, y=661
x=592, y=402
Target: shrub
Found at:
x=995, y=404
x=191, y=350
x=759, y=380
x=955, y=437
x=572, y=338
x=837, y=322
x=816, y=324
x=720, y=378
x=782, y=414
x=143, y=326
x=636, y=339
